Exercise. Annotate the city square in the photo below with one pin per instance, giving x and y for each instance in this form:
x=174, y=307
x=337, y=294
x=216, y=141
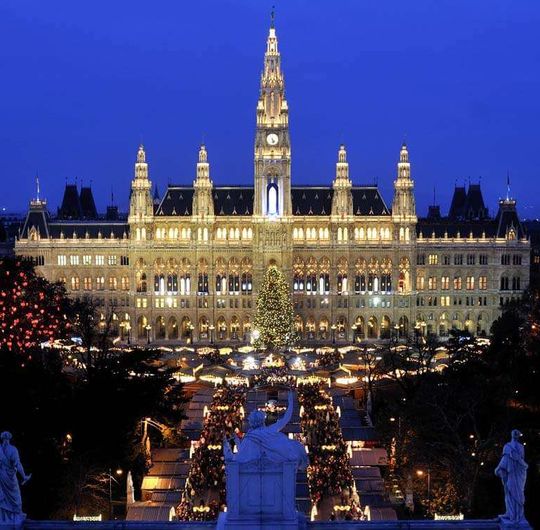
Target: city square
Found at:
x=271, y=353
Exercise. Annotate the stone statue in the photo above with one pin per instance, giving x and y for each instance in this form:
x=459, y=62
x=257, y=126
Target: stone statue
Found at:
x=512, y=470
x=261, y=477
x=268, y=441
x=10, y=493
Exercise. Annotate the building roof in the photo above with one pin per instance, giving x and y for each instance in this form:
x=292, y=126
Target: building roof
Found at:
x=507, y=220
x=468, y=204
x=448, y=227
x=177, y=200
x=88, y=205
x=233, y=200
x=71, y=204
x=311, y=200
x=238, y=200
x=38, y=218
x=90, y=229
x=367, y=200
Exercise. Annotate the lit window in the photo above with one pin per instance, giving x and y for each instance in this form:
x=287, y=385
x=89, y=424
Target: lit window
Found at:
x=62, y=260
x=100, y=260
x=74, y=260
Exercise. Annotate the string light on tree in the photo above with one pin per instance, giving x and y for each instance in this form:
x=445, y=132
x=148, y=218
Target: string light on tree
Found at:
x=274, y=317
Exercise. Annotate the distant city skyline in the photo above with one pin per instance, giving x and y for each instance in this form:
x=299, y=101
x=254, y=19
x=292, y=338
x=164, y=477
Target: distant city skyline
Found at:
x=85, y=85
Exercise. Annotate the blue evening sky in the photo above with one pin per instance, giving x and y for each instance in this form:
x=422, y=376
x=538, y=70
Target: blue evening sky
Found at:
x=83, y=81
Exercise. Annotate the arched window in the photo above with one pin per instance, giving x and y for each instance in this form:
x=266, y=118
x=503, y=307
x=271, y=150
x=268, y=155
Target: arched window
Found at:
x=272, y=198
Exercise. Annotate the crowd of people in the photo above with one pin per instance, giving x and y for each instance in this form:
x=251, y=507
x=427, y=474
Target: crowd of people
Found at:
x=274, y=376
x=204, y=494
x=329, y=471
x=328, y=357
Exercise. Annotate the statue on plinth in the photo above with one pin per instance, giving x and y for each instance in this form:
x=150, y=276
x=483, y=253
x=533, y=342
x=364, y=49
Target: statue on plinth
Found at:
x=512, y=470
x=261, y=477
x=10, y=492
x=268, y=441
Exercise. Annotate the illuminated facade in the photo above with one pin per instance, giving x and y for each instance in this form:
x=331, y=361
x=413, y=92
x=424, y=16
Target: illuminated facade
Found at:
x=188, y=266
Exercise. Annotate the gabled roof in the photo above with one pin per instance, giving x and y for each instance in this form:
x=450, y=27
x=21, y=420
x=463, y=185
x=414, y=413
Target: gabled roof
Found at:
x=38, y=218
x=507, y=219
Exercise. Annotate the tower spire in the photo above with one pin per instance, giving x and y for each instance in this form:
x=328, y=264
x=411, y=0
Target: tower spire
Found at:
x=272, y=142
x=273, y=17
x=403, y=204
x=203, y=203
x=342, y=203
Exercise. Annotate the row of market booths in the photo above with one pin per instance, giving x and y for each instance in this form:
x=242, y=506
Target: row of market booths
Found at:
x=203, y=370
x=367, y=458
x=163, y=485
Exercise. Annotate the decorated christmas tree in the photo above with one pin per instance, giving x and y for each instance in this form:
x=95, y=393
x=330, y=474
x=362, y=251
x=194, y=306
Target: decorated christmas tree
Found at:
x=32, y=310
x=274, y=318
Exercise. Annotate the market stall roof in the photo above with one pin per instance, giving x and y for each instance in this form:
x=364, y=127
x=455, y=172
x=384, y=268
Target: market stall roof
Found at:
x=150, y=511
x=168, y=455
x=164, y=469
x=151, y=483
x=359, y=434
x=367, y=472
x=374, y=456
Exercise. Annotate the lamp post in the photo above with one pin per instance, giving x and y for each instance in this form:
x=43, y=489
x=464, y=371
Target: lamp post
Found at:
x=119, y=473
x=333, y=328
x=191, y=327
x=396, y=333
x=128, y=330
x=353, y=327
x=420, y=473
x=211, y=328
x=417, y=333
x=148, y=327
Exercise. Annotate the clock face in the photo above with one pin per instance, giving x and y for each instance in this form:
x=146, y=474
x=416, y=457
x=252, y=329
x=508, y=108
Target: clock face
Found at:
x=272, y=139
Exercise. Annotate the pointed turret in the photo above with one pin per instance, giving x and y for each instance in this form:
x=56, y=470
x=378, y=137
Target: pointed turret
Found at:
x=141, y=206
x=342, y=201
x=203, y=203
x=403, y=205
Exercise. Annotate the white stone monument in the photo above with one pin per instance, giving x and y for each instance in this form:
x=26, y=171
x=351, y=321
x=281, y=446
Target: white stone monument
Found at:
x=261, y=478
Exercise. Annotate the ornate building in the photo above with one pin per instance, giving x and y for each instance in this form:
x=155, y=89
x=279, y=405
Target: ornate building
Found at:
x=188, y=266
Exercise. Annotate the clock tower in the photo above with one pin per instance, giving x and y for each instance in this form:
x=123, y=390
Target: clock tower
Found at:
x=272, y=143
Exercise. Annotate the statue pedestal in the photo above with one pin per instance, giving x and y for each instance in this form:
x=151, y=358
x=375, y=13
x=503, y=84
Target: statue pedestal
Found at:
x=261, y=496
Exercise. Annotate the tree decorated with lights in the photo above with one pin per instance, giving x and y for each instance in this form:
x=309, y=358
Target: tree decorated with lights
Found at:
x=274, y=317
x=32, y=310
